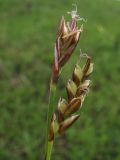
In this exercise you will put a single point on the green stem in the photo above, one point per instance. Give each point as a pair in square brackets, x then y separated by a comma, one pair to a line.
[49, 150]
[49, 144]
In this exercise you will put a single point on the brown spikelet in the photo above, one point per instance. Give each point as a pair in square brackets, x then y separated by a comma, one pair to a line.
[67, 123]
[73, 106]
[66, 42]
[76, 88]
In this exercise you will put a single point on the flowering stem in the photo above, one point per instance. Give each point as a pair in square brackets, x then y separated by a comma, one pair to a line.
[49, 144]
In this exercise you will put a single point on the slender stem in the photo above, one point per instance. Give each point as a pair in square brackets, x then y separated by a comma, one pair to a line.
[49, 150]
[49, 144]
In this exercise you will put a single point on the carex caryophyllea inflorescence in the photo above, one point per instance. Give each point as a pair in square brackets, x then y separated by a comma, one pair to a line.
[77, 87]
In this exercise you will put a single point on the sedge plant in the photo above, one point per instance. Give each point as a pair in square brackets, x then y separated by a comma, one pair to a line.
[59, 119]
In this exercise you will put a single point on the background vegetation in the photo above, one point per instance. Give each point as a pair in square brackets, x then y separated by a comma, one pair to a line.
[27, 35]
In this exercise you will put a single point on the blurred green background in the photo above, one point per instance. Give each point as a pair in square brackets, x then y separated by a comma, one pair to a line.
[27, 35]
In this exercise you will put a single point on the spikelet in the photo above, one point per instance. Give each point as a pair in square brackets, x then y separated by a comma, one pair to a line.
[77, 88]
[67, 39]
